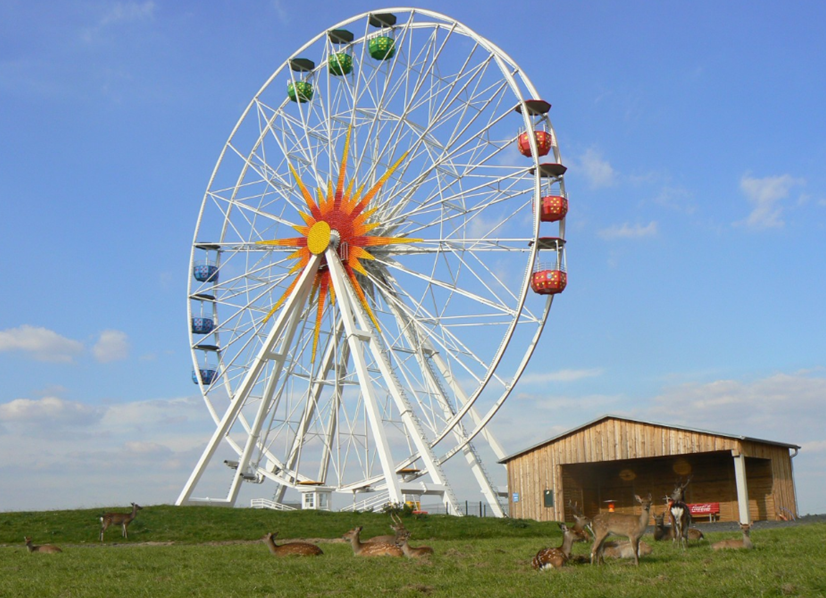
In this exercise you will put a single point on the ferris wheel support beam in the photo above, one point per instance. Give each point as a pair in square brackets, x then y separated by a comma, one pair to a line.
[403, 405]
[286, 322]
[427, 356]
[356, 338]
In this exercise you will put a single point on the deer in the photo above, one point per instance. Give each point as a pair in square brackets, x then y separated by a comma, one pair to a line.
[630, 526]
[666, 532]
[410, 551]
[370, 548]
[554, 558]
[680, 513]
[736, 543]
[582, 524]
[624, 550]
[121, 519]
[290, 548]
[398, 528]
[47, 548]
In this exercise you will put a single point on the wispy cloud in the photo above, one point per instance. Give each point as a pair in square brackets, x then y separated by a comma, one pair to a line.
[560, 376]
[281, 11]
[112, 345]
[48, 412]
[629, 231]
[765, 195]
[597, 171]
[40, 343]
[119, 13]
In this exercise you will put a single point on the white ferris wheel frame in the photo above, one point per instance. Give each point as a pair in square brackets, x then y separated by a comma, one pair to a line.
[365, 347]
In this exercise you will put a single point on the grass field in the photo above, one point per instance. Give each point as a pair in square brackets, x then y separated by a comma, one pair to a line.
[204, 551]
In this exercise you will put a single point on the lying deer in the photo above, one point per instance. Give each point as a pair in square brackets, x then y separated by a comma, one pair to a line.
[370, 548]
[121, 519]
[45, 548]
[630, 526]
[736, 544]
[398, 528]
[623, 549]
[554, 558]
[666, 532]
[290, 548]
[410, 551]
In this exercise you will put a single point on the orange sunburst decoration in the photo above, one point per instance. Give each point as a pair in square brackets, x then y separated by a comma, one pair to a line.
[338, 211]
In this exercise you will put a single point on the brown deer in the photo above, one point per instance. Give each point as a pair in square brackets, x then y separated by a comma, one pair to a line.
[582, 524]
[554, 558]
[290, 548]
[666, 532]
[630, 526]
[121, 519]
[370, 548]
[736, 544]
[680, 513]
[623, 549]
[410, 551]
[398, 528]
[49, 548]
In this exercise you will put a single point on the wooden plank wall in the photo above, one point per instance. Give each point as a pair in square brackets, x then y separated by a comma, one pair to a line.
[590, 463]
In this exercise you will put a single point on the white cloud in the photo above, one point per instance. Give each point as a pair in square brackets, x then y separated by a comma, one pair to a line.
[765, 195]
[42, 344]
[627, 231]
[599, 172]
[47, 412]
[112, 345]
[281, 11]
[560, 376]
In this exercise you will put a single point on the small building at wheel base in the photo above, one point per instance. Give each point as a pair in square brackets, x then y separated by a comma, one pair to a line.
[602, 464]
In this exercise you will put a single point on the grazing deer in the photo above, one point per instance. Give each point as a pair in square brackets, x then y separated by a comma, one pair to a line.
[370, 548]
[121, 519]
[582, 524]
[410, 551]
[630, 526]
[554, 558]
[45, 548]
[680, 513]
[736, 544]
[624, 550]
[290, 548]
[398, 528]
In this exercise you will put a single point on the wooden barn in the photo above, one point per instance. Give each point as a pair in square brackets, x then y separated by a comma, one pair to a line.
[601, 465]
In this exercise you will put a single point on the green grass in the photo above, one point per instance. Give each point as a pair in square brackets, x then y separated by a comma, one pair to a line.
[474, 557]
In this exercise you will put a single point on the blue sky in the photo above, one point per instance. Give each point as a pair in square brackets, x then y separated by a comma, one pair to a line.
[695, 140]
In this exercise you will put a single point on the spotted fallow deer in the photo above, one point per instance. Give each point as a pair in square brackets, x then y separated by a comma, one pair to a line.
[121, 519]
[623, 524]
[370, 548]
[736, 543]
[554, 558]
[290, 548]
[398, 528]
[47, 548]
[666, 532]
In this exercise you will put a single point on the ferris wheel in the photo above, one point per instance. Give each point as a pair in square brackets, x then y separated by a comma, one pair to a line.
[374, 260]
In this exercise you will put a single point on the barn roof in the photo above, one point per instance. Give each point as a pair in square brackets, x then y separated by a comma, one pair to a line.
[648, 423]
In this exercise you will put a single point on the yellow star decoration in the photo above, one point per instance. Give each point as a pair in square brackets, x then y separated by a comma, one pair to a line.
[343, 212]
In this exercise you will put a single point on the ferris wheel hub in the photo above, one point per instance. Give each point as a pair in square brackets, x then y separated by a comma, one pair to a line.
[319, 238]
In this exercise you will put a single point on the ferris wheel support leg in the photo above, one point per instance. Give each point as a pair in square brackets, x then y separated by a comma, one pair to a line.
[356, 339]
[296, 300]
[405, 409]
